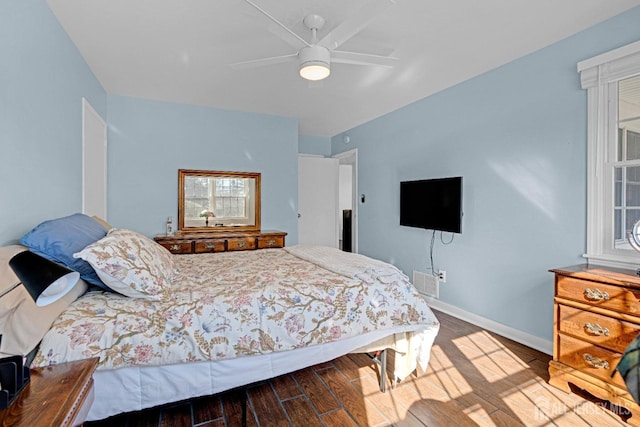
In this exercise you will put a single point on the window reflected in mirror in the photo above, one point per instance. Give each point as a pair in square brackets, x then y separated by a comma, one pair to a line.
[218, 201]
[627, 166]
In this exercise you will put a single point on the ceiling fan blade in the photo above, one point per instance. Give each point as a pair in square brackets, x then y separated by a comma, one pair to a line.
[353, 25]
[285, 33]
[342, 57]
[255, 63]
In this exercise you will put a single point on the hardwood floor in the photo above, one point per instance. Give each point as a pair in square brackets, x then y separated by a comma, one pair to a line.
[475, 378]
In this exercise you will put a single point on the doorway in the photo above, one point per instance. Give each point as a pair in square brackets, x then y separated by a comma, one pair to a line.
[326, 188]
[348, 196]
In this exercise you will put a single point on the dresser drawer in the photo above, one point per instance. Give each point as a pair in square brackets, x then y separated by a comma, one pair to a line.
[589, 358]
[270, 242]
[179, 247]
[604, 331]
[597, 294]
[241, 243]
[203, 246]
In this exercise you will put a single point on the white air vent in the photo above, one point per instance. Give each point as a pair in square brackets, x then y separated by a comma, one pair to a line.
[426, 284]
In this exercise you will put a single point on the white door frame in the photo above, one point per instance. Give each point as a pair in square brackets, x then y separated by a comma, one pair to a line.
[350, 157]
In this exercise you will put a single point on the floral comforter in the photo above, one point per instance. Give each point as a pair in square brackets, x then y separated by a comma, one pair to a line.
[237, 304]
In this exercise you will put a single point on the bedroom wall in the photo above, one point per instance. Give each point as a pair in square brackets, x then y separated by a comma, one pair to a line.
[43, 79]
[311, 144]
[150, 140]
[518, 136]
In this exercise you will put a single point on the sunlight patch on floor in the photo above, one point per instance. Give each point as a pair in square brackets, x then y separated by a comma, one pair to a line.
[479, 415]
[537, 406]
[494, 361]
[449, 377]
[524, 407]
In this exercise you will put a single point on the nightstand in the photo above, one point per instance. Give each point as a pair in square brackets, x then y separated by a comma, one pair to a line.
[597, 315]
[58, 395]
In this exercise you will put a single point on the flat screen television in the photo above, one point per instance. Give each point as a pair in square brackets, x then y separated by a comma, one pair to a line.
[434, 204]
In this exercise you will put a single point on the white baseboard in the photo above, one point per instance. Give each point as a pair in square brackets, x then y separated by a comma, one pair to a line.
[517, 335]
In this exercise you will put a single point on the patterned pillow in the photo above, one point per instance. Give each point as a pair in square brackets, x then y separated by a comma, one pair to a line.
[131, 264]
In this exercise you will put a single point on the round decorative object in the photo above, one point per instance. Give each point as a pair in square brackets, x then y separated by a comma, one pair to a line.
[633, 236]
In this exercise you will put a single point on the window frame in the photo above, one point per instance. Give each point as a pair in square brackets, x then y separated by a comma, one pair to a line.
[600, 76]
[220, 224]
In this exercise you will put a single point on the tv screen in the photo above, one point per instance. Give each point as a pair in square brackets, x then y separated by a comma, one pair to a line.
[434, 204]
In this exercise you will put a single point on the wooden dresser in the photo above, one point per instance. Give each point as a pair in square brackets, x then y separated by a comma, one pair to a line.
[597, 315]
[202, 242]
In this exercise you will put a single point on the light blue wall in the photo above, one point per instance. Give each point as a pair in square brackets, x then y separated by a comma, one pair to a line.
[518, 137]
[149, 141]
[309, 144]
[43, 79]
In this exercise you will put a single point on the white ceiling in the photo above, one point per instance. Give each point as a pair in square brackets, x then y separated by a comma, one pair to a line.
[181, 50]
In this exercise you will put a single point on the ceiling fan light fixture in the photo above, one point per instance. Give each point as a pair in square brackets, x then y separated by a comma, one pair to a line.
[315, 63]
[315, 71]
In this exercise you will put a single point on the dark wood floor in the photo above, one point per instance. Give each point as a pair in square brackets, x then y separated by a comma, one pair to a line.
[475, 378]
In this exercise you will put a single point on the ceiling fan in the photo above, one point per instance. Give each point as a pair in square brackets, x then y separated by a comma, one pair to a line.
[315, 56]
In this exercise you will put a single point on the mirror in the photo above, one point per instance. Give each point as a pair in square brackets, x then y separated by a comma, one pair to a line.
[218, 201]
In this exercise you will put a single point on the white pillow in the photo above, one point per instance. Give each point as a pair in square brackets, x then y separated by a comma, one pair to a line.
[131, 264]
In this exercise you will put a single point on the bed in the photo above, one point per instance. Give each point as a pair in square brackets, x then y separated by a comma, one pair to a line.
[195, 325]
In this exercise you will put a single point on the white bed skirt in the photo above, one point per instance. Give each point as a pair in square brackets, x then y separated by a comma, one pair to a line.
[139, 387]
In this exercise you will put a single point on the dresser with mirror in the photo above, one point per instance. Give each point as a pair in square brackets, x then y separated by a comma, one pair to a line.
[219, 211]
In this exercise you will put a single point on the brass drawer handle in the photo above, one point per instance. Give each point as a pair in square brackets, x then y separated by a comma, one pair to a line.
[271, 242]
[175, 247]
[596, 295]
[242, 244]
[595, 361]
[596, 329]
[210, 246]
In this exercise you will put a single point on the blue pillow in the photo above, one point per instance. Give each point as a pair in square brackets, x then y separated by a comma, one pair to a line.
[58, 239]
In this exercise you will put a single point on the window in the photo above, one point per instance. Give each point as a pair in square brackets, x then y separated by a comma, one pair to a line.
[197, 193]
[221, 198]
[230, 197]
[627, 184]
[213, 201]
[612, 81]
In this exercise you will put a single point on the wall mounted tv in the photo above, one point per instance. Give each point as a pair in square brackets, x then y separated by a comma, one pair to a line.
[434, 204]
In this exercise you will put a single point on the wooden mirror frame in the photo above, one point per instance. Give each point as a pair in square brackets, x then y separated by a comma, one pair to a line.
[183, 174]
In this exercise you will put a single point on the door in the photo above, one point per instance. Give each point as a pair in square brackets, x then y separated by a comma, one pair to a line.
[318, 200]
[94, 162]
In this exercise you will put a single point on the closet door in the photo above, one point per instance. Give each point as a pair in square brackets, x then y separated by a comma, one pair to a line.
[318, 200]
